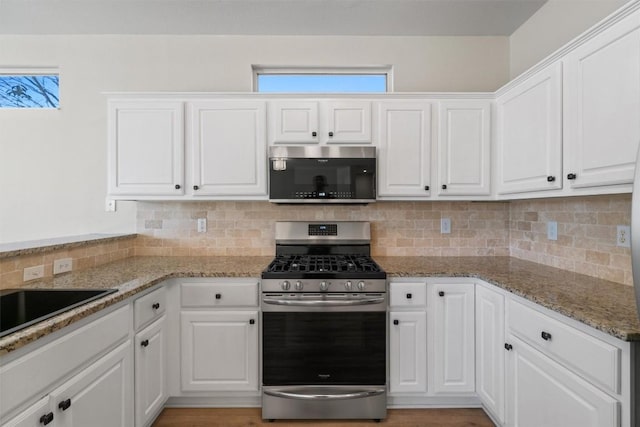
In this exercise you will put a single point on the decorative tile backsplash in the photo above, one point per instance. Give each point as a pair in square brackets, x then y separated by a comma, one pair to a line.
[398, 228]
[586, 232]
[587, 229]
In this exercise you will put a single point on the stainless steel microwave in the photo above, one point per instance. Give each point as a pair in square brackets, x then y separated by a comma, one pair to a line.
[322, 174]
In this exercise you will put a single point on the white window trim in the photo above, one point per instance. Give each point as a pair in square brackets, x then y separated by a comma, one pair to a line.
[279, 69]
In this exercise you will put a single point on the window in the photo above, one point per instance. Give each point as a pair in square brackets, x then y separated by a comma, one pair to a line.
[29, 89]
[332, 80]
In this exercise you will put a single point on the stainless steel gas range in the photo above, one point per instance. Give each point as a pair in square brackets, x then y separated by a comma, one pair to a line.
[324, 321]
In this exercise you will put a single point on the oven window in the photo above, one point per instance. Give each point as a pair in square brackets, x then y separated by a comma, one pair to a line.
[338, 348]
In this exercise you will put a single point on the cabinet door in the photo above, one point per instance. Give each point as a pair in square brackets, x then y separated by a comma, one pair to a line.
[464, 145]
[293, 122]
[36, 415]
[453, 337]
[602, 106]
[99, 396]
[408, 352]
[146, 148]
[348, 122]
[404, 155]
[530, 134]
[541, 392]
[490, 350]
[228, 144]
[219, 350]
[150, 381]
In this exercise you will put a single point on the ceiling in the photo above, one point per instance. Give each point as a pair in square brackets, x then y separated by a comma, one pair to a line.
[267, 17]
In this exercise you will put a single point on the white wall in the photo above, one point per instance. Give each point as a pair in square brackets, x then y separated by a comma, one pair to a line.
[53, 163]
[552, 26]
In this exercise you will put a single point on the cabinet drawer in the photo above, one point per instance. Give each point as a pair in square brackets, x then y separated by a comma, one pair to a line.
[149, 307]
[208, 294]
[593, 359]
[408, 294]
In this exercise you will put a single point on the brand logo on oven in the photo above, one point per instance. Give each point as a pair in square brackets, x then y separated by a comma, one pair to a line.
[323, 160]
[324, 376]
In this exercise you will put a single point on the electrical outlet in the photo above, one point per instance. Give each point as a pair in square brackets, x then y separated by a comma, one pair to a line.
[202, 225]
[32, 273]
[62, 265]
[110, 205]
[552, 230]
[445, 225]
[623, 236]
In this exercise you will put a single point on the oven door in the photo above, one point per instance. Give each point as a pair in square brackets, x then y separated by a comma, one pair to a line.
[327, 341]
[322, 180]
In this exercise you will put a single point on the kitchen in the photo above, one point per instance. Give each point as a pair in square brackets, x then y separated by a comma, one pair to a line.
[399, 227]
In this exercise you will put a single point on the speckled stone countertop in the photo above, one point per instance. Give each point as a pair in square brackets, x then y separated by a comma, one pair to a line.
[607, 306]
[8, 250]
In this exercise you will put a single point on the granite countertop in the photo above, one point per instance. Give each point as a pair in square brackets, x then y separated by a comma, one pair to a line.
[604, 305]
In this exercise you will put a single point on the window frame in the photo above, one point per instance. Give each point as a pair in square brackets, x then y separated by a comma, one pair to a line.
[386, 70]
[32, 71]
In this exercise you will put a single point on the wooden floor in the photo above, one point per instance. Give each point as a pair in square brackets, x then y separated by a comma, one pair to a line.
[247, 417]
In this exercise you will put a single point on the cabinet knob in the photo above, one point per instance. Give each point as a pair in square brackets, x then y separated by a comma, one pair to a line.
[551, 178]
[409, 296]
[330, 134]
[178, 186]
[546, 336]
[195, 188]
[65, 404]
[314, 134]
[396, 322]
[46, 419]
[144, 343]
[507, 346]
[156, 306]
[426, 188]
[571, 176]
[218, 296]
[252, 321]
[441, 293]
[444, 186]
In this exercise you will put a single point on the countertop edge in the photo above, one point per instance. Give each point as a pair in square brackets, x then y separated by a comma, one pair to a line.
[60, 243]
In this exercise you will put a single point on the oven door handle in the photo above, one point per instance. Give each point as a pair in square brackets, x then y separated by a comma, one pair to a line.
[323, 302]
[325, 396]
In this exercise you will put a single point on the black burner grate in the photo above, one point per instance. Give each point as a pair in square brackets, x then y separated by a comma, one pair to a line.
[323, 264]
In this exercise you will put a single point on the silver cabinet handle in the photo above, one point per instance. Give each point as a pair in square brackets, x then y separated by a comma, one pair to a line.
[327, 396]
[323, 302]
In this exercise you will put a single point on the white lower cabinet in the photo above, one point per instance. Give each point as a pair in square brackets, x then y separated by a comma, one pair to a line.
[541, 392]
[37, 414]
[408, 352]
[452, 337]
[219, 351]
[219, 336]
[150, 380]
[490, 352]
[99, 396]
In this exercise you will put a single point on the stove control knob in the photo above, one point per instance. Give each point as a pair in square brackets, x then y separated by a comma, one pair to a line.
[348, 285]
[286, 285]
[324, 286]
[299, 285]
[361, 285]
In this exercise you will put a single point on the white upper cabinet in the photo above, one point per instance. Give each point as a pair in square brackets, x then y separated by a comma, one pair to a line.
[145, 148]
[404, 152]
[228, 148]
[464, 145]
[529, 142]
[602, 106]
[316, 122]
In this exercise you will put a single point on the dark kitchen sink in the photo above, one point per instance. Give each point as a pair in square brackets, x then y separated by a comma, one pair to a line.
[20, 308]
